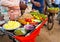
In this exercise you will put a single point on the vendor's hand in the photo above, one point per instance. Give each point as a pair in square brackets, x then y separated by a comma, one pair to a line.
[32, 1]
[23, 6]
[37, 4]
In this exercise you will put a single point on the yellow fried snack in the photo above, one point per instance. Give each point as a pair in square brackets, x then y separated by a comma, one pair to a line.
[11, 25]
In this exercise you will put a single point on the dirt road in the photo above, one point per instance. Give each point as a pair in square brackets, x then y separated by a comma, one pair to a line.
[50, 36]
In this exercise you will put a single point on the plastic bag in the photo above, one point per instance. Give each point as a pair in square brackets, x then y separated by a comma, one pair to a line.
[13, 14]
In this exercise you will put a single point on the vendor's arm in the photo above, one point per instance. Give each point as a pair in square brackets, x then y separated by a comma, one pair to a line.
[37, 4]
[45, 6]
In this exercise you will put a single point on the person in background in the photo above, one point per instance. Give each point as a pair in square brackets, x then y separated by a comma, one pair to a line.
[13, 8]
[56, 3]
[49, 3]
[38, 5]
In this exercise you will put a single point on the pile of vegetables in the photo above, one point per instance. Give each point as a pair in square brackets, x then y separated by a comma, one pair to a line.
[20, 31]
[38, 15]
[25, 23]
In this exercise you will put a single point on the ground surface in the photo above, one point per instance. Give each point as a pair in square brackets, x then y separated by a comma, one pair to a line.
[50, 36]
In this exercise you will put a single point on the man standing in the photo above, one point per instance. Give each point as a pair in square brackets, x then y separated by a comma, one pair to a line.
[38, 5]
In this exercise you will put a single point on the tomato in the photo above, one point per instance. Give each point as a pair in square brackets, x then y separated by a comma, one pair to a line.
[33, 23]
[28, 19]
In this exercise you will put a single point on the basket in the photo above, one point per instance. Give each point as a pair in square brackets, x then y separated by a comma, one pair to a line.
[53, 10]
